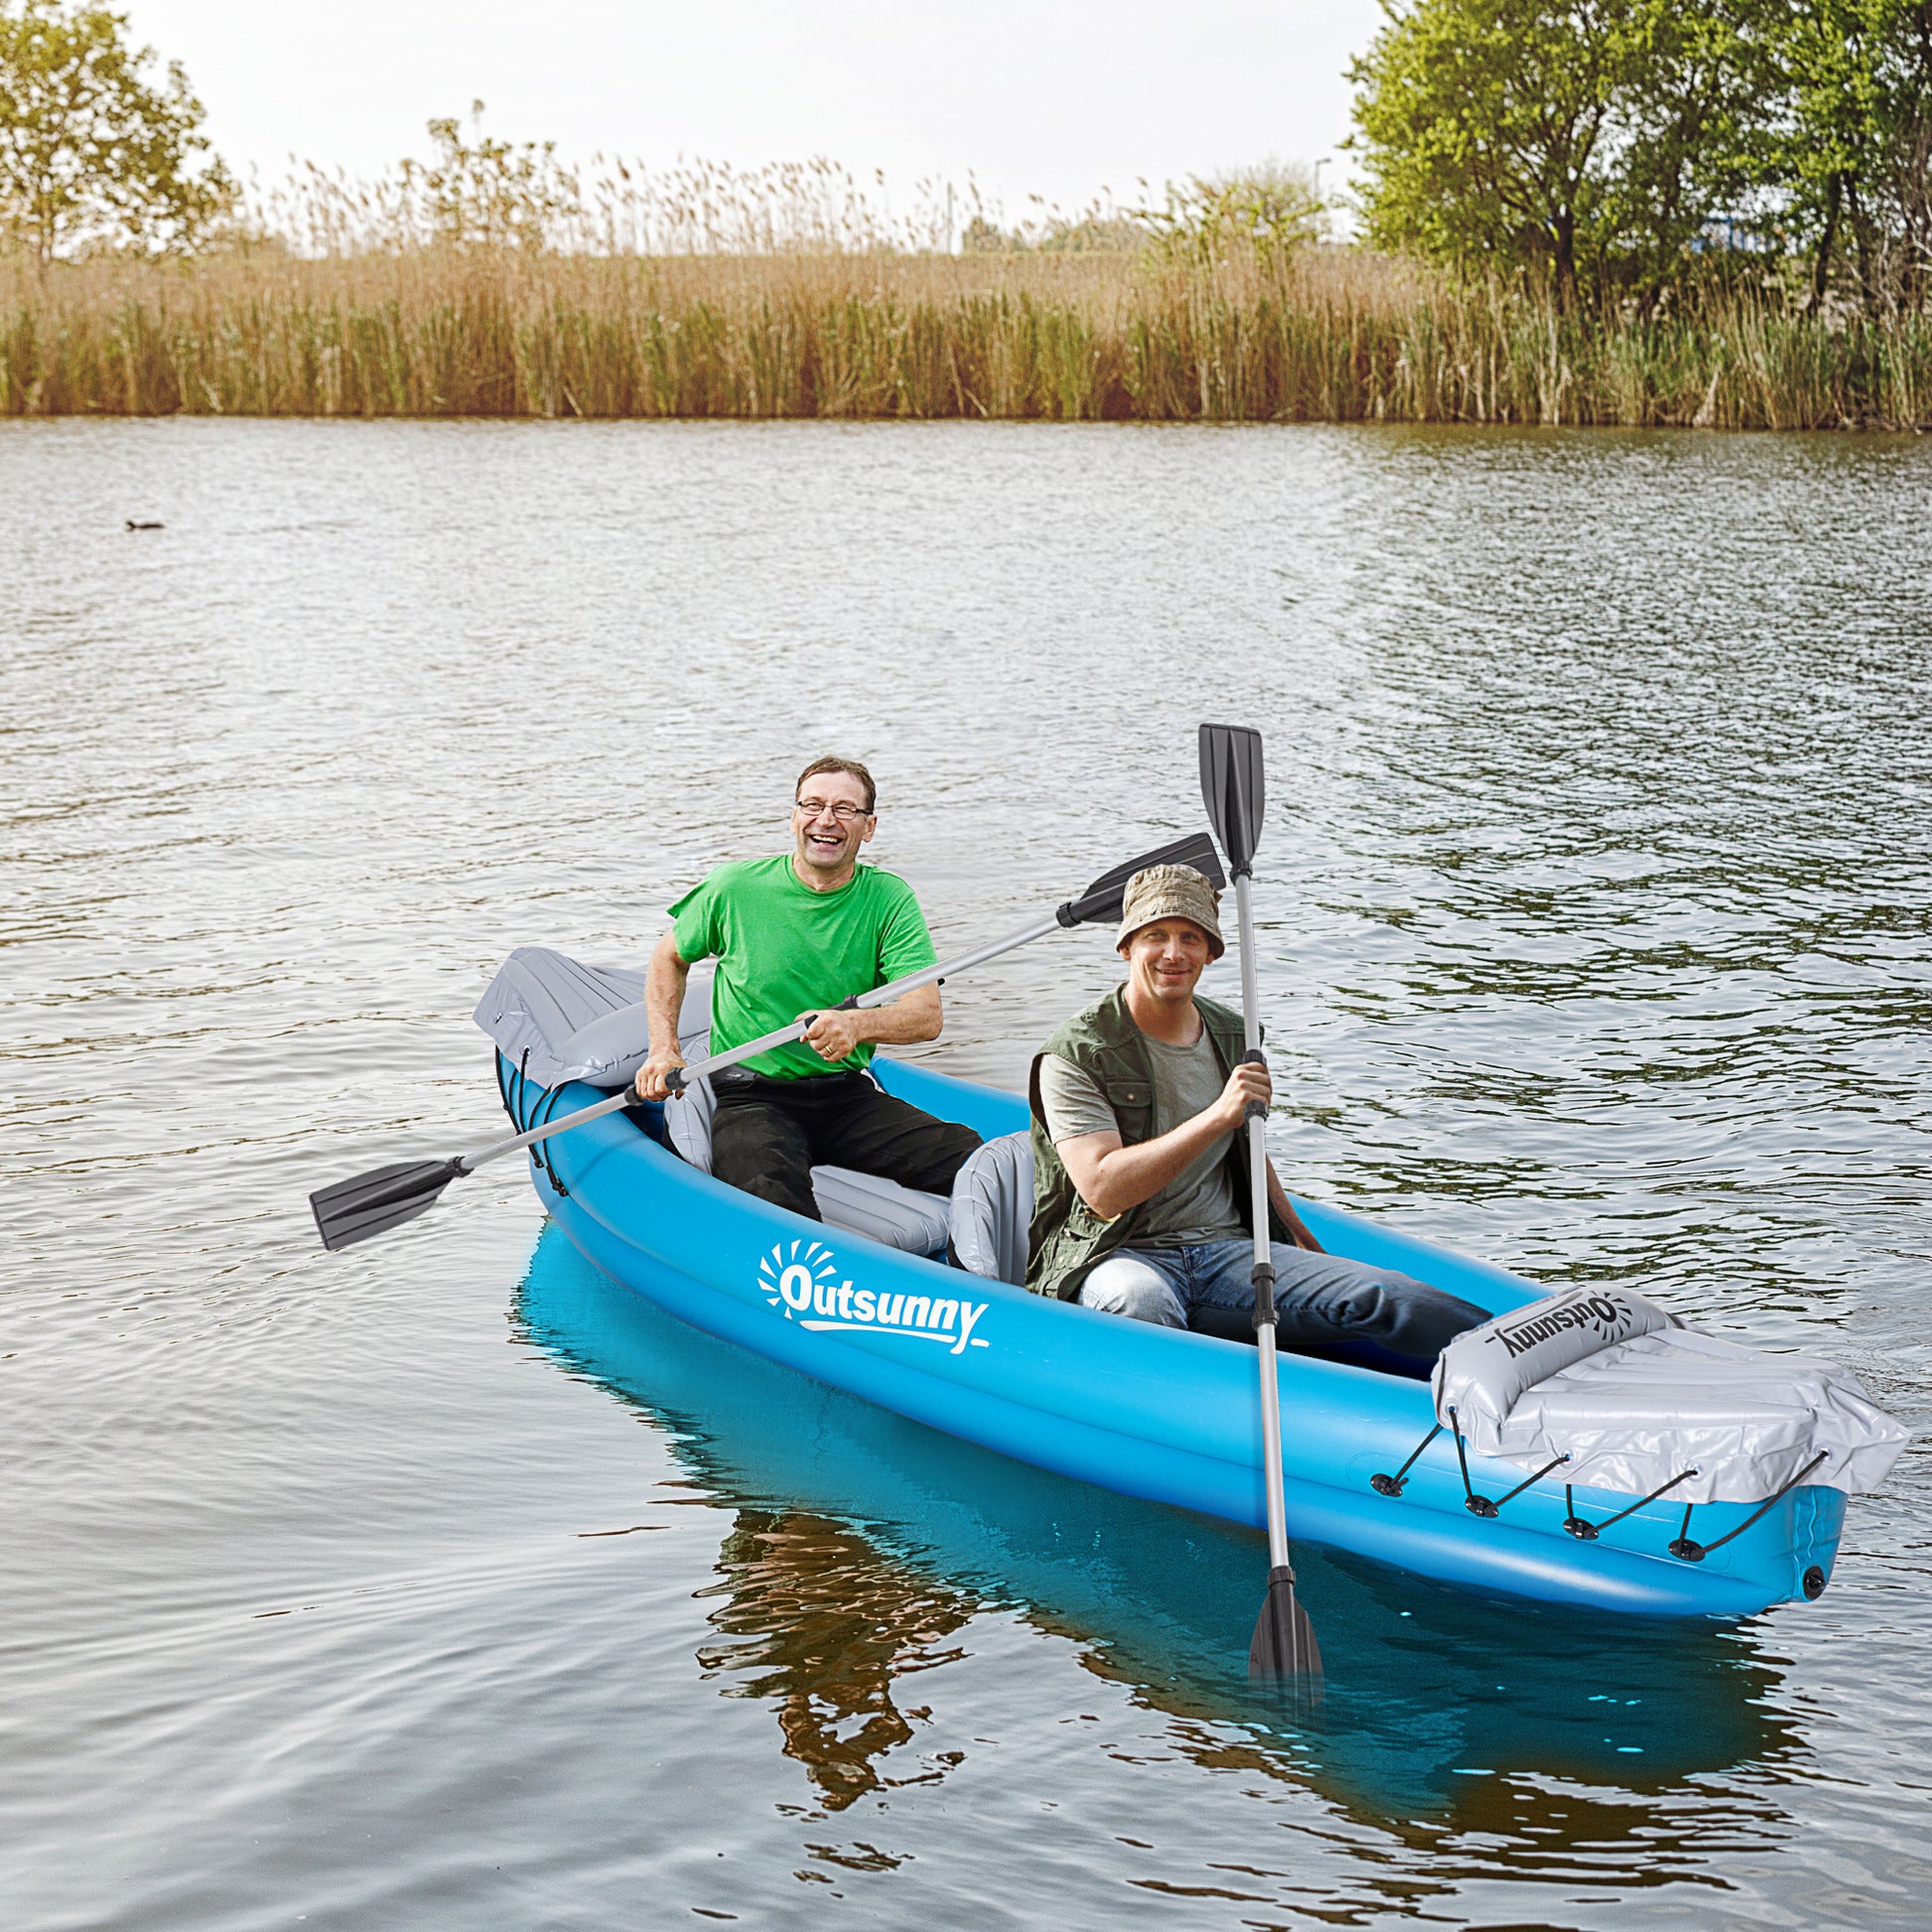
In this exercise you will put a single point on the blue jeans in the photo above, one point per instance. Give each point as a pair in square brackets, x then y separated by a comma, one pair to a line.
[1321, 1300]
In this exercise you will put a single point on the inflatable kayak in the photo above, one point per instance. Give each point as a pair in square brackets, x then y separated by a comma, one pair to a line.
[1420, 1681]
[911, 1302]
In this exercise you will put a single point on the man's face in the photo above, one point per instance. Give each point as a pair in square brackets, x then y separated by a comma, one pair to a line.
[830, 822]
[1165, 960]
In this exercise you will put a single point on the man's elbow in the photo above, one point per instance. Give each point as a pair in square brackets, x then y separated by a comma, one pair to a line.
[1099, 1199]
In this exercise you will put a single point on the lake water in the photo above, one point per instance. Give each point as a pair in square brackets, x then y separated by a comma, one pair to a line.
[442, 1583]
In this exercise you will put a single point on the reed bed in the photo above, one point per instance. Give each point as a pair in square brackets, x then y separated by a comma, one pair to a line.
[1325, 335]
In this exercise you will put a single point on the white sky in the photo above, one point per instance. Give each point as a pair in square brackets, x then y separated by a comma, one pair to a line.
[1033, 96]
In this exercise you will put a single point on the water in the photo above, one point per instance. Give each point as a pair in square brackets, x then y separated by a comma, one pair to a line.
[442, 1584]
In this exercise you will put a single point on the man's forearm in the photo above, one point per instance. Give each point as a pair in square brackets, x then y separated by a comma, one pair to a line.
[664, 995]
[912, 1018]
[1127, 1176]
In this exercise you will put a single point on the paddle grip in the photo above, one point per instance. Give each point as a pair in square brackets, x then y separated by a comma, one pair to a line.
[1255, 1109]
[850, 1004]
[1262, 1275]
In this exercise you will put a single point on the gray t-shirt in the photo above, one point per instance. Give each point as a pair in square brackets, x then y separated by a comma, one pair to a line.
[1197, 1204]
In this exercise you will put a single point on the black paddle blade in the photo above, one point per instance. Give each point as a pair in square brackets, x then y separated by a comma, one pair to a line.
[1102, 899]
[1231, 786]
[353, 1210]
[1284, 1645]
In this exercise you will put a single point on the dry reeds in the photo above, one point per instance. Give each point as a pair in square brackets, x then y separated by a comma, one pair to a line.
[1322, 335]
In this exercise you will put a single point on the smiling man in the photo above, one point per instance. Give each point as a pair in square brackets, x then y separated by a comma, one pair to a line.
[794, 935]
[1140, 1186]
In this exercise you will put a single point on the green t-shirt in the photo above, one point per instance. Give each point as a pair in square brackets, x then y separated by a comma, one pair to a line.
[783, 949]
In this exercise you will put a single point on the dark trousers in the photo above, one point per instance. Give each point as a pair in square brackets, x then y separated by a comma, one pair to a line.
[767, 1135]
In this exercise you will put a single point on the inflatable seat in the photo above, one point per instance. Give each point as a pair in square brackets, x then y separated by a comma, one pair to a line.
[558, 1020]
[563, 1021]
[992, 1208]
[881, 1209]
[865, 1203]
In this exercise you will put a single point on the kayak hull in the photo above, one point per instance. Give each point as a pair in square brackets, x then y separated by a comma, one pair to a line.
[1169, 1417]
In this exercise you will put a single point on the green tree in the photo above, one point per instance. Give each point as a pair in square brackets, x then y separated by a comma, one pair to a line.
[1274, 207]
[483, 192]
[91, 151]
[1592, 139]
[1852, 147]
[1684, 138]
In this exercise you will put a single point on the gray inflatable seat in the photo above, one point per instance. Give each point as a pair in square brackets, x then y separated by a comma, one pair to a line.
[883, 1210]
[992, 1208]
[1633, 1400]
[587, 1023]
[567, 1021]
[687, 1119]
[866, 1203]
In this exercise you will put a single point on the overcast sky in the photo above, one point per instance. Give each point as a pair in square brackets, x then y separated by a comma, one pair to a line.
[1060, 97]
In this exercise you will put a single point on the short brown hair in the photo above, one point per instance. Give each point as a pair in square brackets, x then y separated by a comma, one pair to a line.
[851, 767]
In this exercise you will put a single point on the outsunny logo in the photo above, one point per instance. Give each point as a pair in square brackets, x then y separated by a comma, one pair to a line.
[804, 1281]
[1599, 1311]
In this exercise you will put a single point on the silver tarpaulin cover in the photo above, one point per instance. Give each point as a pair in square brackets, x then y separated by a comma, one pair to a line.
[1634, 1399]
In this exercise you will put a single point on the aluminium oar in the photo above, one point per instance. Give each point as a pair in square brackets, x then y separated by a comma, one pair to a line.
[1284, 1645]
[353, 1210]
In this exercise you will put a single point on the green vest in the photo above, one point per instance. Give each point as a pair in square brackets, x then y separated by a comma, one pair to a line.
[1068, 1240]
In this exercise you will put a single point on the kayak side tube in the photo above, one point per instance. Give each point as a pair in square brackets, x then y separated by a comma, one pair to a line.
[1147, 1412]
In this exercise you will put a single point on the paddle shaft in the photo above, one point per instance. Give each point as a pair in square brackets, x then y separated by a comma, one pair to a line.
[1264, 1268]
[880, 996]
[681, 1077]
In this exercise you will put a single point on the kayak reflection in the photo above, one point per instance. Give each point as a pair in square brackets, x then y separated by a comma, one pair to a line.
[825, 1626]
[866, 1545]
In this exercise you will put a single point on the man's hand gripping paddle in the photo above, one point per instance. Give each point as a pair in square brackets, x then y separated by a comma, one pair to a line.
[1284, 1646]
[353, 1211]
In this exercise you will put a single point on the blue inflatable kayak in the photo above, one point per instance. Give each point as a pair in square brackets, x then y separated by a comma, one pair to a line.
[1158, 1414]
[1421, 1682]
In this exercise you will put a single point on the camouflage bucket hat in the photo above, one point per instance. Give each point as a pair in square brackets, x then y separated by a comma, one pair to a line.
[1171, 892]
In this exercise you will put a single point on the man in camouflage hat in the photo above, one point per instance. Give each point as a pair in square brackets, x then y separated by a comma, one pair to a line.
[1141, 1177]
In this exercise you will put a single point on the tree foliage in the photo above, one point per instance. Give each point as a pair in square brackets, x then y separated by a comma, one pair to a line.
[1590, 139]
[91, 150]
[485, 193]
[1851, 142]
[1272, 206]
[1612, 144]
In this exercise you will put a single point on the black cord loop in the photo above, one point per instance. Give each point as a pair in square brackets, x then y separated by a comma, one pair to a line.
[1589, 1532]
[1385, 1486]
[1538, 1477]
[1688, 1552]
[1475, 1504]
[545, 1113]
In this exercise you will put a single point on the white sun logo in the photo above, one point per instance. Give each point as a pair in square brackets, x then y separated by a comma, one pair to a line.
[788, 1278]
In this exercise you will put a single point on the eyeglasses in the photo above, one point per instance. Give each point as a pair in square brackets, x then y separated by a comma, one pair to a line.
[844, 813]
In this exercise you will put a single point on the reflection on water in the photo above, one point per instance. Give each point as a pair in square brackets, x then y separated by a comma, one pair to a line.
[824, 1628]
[1596, 941]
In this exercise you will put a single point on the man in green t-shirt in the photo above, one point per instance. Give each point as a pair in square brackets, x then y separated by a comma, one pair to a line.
[796, 934]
